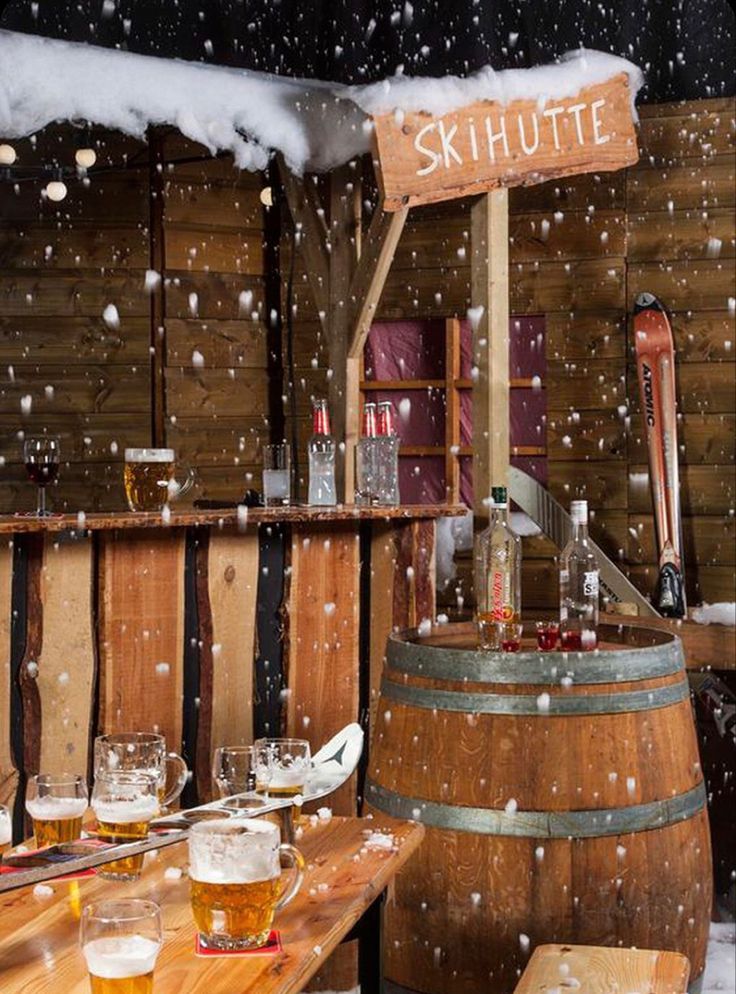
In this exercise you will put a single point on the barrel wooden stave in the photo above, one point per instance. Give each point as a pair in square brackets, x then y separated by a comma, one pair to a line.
[462, 906]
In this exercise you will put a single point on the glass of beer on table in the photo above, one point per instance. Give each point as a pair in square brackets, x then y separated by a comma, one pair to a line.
[150, 479]
[235, 880]
[124, 804]
[6, 830]
[282, 766]
[144, 752]
[120, 941]
[56, 802]
[234, 770]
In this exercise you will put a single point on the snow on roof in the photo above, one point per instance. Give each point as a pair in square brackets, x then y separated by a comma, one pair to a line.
[315, 125]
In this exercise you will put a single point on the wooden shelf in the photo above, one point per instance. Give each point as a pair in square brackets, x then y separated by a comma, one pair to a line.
[369, 385]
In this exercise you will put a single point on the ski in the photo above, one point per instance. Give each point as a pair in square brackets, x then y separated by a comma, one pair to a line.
[655, 363]
[332, 766]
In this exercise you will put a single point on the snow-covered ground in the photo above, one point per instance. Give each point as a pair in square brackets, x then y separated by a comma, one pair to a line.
[720, 964]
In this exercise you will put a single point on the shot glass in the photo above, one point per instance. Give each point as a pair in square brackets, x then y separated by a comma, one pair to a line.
[508, 635]
[276, 475]
[548, 633]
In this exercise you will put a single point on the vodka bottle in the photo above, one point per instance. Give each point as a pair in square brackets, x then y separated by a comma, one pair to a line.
[367, 459]
[578, 585]
[387, 456]
[497, 560]
[322, 489]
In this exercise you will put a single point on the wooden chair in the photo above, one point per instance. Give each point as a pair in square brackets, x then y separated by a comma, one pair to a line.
[599, 970]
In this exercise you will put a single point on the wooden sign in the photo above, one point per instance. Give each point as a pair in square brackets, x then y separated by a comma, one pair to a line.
[425, 158]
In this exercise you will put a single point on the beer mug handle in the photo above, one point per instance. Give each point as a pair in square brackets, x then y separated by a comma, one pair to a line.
[174, 760]
[297, 861]
[182, 488]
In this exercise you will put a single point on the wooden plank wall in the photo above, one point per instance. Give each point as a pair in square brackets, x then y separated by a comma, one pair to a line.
[580, 250]
[198, 222]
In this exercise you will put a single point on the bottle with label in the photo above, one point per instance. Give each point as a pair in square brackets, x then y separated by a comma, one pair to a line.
[387, 442]
[366, 459]
[579, 585]
[321, 449]
[497, 562]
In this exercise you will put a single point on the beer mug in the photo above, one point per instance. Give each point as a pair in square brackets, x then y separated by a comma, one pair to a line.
[150, 481]
[6, 829]
[120, 942]
[234, 770]
[145, 752]
[282, 766]
[56, 802]
[124, 805]
[235, 880]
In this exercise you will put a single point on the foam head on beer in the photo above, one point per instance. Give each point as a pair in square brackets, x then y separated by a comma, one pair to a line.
[125, 811]
[51, 808]
[217, 848]
[121, 956]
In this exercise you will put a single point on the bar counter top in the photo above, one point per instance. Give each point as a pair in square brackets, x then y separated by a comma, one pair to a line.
[219, 518]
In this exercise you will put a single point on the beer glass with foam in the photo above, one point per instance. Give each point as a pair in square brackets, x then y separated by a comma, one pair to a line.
[120, 941]
[56, 802]
[235, 880]
[124, 804]
[150, 479]
[144, 752]
[6, 830]
[282, 766]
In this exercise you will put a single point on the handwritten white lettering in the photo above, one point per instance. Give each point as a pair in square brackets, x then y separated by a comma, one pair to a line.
[447, 147]
[499, 136]
[528, 149]
[577, 110]
[552, 115]
[598, 138]
[434, 159]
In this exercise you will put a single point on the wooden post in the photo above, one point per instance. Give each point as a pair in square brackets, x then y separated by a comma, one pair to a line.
[157, 261]
[452, 411]
[490, 319]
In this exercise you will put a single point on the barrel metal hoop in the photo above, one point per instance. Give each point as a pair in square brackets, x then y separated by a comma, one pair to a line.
[526, 704]
[623, 666]
[539, 824]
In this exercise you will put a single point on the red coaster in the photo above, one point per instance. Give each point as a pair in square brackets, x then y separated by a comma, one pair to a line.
[272, 946]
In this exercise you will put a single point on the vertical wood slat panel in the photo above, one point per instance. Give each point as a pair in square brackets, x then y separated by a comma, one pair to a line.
[8, 771]
[66, 662]
[141, 632]
[29, 695]
[227, 586]
[323, 678]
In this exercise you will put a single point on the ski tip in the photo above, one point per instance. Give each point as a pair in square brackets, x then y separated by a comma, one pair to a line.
[669, 597]
[647, 301]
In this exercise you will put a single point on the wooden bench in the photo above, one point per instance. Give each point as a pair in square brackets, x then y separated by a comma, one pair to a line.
[600, 970]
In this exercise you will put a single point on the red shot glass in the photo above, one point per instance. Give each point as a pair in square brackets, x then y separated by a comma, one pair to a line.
[548, 633]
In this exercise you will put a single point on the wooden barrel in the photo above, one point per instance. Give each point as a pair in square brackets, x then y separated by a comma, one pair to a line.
[563, 800]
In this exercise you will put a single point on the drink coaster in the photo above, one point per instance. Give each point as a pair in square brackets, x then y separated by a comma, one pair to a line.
[270, 948]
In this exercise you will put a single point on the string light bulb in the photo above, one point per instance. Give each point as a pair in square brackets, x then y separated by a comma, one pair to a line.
[85, 157]
[56, 190]
[7, 155]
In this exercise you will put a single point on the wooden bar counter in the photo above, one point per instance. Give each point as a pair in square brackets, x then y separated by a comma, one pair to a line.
[211, 627]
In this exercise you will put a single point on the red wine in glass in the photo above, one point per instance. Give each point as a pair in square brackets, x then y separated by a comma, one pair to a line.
[41, 456]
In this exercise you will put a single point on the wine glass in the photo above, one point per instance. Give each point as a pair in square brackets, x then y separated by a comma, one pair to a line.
[41, 455]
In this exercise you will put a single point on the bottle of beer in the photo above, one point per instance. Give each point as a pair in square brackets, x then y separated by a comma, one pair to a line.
[497, 561]
[578, 585]
[366, 459]
[321, 450]
[387, 445]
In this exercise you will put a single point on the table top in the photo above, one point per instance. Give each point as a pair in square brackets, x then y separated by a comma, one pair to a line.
[39, 948]
[219, 518]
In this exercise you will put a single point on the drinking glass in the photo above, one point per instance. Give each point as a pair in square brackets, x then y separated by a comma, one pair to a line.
[276, 474]
[234, 770]
[548, 633]
[6, 829]
[235, 880]
[282, 766]
[146, 753]
[124, 804]
[120, 941]
[508, 635]
[56, 802]
[41, 454]
[150, 480]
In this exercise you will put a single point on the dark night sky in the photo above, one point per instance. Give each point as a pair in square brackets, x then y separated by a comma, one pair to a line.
[686, 48]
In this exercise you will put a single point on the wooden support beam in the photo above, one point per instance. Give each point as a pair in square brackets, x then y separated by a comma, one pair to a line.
[452, 411]
[311, 239]
[489, 231]
[370, 276]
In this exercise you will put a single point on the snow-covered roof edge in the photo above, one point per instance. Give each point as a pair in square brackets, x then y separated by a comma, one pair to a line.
[315, 125]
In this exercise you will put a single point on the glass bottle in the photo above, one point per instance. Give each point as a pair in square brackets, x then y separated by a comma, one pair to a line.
[321, 450]
[579, 583]
[366, 456]
[497, 562]
[387, 456]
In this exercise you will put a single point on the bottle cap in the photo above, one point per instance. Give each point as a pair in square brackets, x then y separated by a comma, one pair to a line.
[499, 497]
[579, 512]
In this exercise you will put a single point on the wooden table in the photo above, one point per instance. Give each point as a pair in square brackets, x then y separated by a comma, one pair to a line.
[39, 948]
